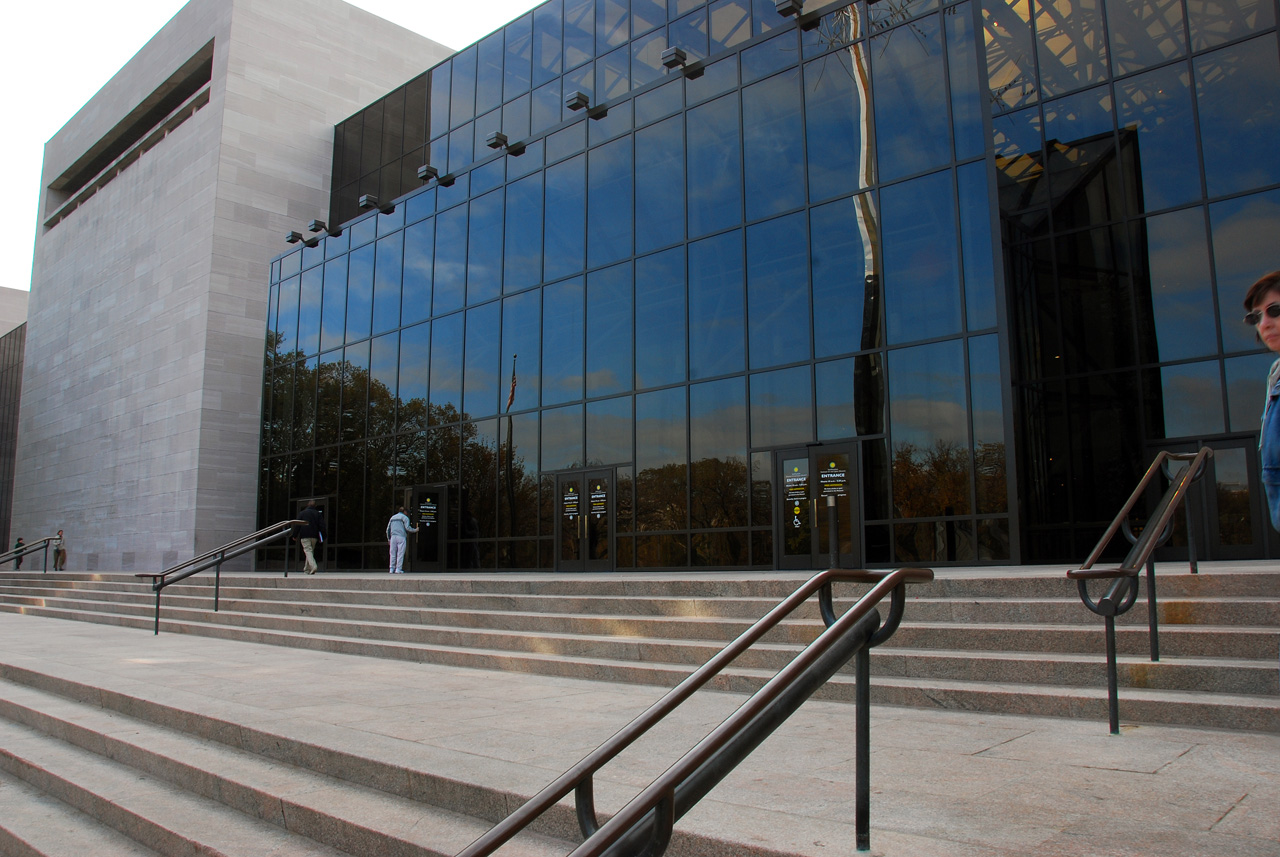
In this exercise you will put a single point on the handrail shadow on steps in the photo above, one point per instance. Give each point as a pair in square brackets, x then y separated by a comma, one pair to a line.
[644, 826]
[28, 549]
[216, 557]
[1123, 591]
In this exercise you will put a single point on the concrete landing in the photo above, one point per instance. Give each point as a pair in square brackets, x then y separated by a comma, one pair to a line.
[945, 783]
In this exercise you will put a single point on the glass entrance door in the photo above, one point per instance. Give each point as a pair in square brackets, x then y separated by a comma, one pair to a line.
[819, 520]
[429, 509]
[1228, 507]
[585, 511]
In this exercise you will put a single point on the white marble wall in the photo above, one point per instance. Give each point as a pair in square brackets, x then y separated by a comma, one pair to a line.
[141, 392]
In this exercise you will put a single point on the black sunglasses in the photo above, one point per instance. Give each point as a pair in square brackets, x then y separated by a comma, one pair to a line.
[1254, 317]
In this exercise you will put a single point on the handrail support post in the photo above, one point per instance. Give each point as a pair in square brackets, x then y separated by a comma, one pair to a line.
[217, 579]
[862, 711]
[1153, 610]
[156, 632]
[1113, 693]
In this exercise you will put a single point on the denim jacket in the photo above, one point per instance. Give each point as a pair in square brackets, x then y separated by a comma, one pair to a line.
[1269, 444]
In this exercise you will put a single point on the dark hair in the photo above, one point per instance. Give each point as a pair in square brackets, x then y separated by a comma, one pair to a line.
[1268, 282]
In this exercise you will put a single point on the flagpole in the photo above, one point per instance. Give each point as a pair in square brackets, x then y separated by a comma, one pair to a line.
[511, 490]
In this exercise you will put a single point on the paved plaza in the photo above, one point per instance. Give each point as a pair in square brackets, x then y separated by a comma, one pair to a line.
[945, 783]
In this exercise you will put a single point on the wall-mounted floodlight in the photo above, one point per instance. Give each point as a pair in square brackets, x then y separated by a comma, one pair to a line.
[426, 172]
[496, 140]
[577, 100]
[368, 201]
[674, 58]
[321, 226]
[787, 8]
[296, 237]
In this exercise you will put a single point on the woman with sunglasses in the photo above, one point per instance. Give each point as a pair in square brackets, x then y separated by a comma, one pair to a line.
[1263, 305]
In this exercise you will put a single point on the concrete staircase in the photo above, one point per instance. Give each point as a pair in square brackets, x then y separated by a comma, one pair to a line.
[1002, 641]
[87, 767]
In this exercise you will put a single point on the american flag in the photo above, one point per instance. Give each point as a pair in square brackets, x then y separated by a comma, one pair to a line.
[512, 396]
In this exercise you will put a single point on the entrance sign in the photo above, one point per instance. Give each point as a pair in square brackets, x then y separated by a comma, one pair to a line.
[833, 478]
[571, 502]
[599, 499]
[428, 510]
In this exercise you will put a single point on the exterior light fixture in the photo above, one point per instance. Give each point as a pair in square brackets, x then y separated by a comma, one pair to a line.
[674, 58]
[321, 226]
[368, 201]
[496, 140]
[787, 8]
[577, 100]
[446, 180]
[426, 172]
[296, 237]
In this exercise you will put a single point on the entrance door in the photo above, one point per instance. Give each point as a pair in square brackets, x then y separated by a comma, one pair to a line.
[819, 519]
[585, 510]
[1227, 505]
[324, 505]
[429, 510]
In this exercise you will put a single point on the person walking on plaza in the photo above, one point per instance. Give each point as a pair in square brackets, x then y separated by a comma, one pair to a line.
[311, 534]
[17, 560]
[59, 552]
[398, 529]
[1263, 313]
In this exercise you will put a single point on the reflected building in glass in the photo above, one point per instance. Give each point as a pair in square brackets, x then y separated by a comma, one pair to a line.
[900, 282]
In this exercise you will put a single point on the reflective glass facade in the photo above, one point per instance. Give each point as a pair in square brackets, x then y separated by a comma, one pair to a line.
[899, 282]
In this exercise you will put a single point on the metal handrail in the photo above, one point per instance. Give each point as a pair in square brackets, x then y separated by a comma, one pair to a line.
[1122, 594]
[216, 557]
[660, 798]
[29, 548]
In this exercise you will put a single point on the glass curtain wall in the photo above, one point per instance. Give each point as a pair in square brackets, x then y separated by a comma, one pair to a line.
[791, 243]
[1134, 146]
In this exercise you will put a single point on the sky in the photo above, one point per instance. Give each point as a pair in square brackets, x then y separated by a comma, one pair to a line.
[55, 54]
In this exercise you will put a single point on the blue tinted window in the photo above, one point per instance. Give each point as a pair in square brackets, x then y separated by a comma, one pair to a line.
[518, 67]
[730, 24]
[522, 339]
[562, 342]
[690, 35]
[522, 256]
[419, 259]
[484, 248]
[446, 369]
[462, 96]
[388, 274]
[773, 145]
[1154, 111]
[483, 361]
[912, 131]
[921, 263]
[415, 362]
[1191, 395]
[846, 294]
[966, 89]
[548, 51]
[660, 319]
[718, 479]
[659, 200]
[613, 24]
[451, 260]
[976, 243]
[309, 310]
[781, 408]
[609, 202]
[714, 184]
[1181, 300]
[360, 293]
[986, 391]
[287, 317]
[716, 306]
[333, 316]
[609, 430]
[609, 331]
[835, 113]
[661, 460]
[1238, 92]
[564, 220]
[1243, 249]
[579, 32]
[929, 431]
[777, 291]
[489, 77]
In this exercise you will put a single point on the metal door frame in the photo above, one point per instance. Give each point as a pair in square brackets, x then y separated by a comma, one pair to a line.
[583, 478]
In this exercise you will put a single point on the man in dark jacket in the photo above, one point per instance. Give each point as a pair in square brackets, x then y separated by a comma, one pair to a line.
[310, 533]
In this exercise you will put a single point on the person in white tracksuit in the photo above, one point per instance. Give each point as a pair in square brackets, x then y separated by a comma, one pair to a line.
[398, 529]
